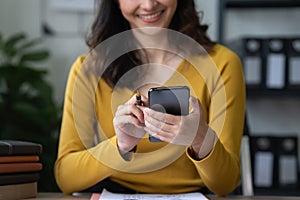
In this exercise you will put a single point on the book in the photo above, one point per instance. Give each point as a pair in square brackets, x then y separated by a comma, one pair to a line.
[19, 159]
[15, 147]
[20, 167]
[106, 195]
[18, 191]
[18, 178]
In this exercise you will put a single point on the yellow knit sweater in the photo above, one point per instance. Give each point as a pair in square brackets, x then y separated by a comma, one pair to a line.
[88, 153]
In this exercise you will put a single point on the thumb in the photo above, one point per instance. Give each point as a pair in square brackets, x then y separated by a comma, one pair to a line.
[195, 104]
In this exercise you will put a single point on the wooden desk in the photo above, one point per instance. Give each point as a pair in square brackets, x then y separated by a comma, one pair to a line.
[53, 196]
[44, 196]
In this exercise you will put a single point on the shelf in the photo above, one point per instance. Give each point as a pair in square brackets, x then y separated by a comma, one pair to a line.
[257, 92]
[261, 3]
[249, 4]
[226, 6]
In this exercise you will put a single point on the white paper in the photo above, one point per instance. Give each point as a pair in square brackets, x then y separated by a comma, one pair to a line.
[263, 169]
[253, 70]
[186, 196]
[275, 71]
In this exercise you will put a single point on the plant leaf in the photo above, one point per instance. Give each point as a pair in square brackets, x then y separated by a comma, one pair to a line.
[10, 45]
[27, 109]
[30, 44]
[34, 56]
[1, 43]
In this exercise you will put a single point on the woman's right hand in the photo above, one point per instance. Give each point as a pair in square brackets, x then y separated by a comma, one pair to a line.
[129, 125]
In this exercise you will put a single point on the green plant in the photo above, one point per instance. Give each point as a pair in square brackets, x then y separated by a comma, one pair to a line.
[27, 109]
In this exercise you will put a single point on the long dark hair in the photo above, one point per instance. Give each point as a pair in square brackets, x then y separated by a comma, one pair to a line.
[109, 21]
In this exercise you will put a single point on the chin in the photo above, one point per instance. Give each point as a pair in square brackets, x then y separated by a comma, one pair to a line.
[150, 30]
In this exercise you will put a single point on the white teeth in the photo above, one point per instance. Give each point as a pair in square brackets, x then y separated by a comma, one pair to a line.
[150, 16]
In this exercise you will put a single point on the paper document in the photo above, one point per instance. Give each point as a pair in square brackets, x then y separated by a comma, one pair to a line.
[186, 196]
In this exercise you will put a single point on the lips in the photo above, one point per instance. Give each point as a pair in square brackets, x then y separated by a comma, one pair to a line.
[150, 18]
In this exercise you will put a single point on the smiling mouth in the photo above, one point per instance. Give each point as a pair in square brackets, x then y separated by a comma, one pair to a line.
[151, 17]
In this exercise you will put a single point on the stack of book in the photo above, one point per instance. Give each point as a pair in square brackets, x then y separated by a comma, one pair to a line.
[19, 169]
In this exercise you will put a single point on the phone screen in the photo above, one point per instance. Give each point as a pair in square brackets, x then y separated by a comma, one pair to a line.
[172, 100]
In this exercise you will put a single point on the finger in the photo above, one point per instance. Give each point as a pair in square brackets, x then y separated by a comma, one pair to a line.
[138, 113]
[130, 110]
[159, 116]
[145, 101]
[156, 135]
[124, 109]
[132, 100]
[159, 127]
[162, 137]
[122, 120]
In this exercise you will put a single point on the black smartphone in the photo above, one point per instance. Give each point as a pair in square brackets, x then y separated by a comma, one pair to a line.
[172, 100]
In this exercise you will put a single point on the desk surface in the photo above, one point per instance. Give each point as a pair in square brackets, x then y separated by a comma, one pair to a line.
[87, 196]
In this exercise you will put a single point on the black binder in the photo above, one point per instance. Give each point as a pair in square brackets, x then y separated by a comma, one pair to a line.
[275, 166]
[254, 62]
[14, 147]
[294, 62]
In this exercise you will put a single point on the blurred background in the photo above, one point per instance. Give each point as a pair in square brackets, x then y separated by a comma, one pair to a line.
[273, 107]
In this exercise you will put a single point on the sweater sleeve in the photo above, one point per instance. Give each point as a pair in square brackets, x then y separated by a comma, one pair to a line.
[220, 170]
[76, 151]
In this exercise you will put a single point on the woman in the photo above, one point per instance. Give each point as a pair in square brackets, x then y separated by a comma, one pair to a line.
[198, 151]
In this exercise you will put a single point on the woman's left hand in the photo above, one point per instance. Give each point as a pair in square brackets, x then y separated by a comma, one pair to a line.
[180, 130]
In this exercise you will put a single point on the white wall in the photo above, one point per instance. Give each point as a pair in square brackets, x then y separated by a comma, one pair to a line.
[210, 17]
[261, 22]
[20, 15]
[264, 115]
[28, 15]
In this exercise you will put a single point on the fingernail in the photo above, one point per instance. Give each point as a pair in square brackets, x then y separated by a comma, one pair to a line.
[146, 111]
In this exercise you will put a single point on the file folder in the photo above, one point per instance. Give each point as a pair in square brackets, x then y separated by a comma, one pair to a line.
[253, 62]
[263, 160]
[288, 161]
[294, 62]
[275, 161]
[276, 70]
